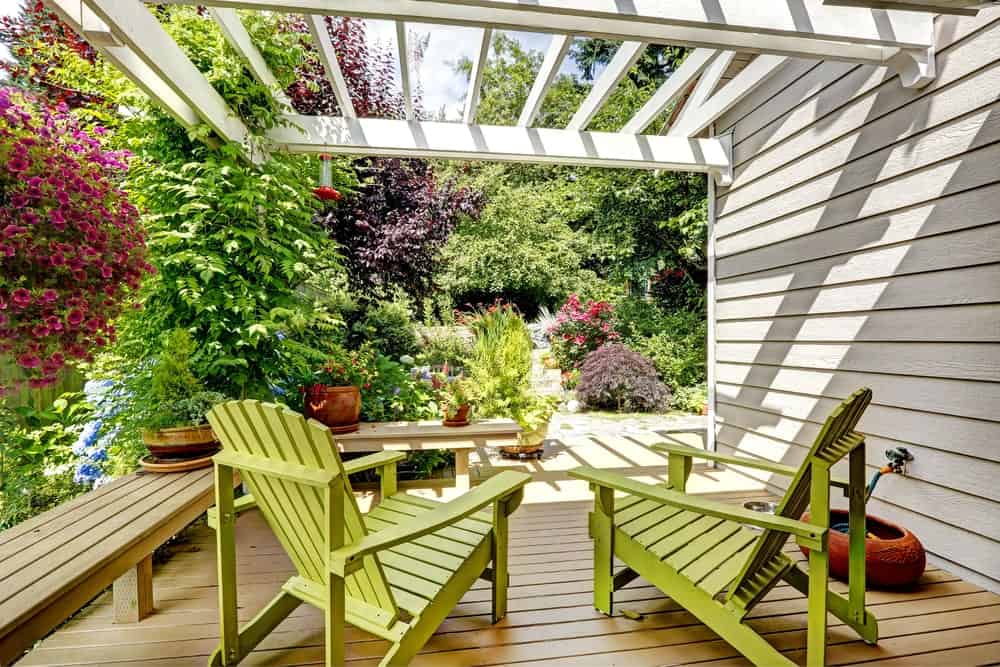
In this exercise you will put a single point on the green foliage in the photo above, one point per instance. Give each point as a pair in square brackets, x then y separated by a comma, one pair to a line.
[393, 395]
[172, 378]
[388, 327]
[500, 367]
[36, 457]
[233, 243]
[691, 399]
[445, 348]
[678, 351]
[522, 248]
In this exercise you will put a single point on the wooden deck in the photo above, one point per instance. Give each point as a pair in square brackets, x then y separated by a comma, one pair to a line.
[944, 621]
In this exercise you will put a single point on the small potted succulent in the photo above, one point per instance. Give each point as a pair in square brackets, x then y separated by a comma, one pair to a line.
[455, 397]
[174, 425]
[333, 393]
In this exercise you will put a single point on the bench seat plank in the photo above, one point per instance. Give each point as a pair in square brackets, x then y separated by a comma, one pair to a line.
[53, 564]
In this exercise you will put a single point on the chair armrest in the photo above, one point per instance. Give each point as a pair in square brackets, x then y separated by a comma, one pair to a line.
[506, 484]
[810, 535]
[376, 460]
[759, 464]
[241, 504]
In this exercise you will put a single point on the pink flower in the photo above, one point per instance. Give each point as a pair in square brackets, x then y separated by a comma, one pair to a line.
[29, 361]
[50, 295]
[21, 297]
[580, 340]
[18, 164]
[74, 317]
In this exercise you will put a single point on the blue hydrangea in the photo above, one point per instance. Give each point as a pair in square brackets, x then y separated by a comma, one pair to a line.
[87, 473]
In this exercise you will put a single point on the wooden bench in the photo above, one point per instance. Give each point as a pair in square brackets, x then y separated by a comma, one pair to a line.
[53, 564]
[408, 436]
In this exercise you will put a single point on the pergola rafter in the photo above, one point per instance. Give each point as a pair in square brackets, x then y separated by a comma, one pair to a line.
[328, 56]
[404, 70]
[554, 56]
[130, 36]
[236, 34]
[786, 27]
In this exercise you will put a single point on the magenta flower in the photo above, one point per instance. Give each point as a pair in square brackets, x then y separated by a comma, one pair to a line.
[21, 297]
[29, 361]
[18, 164]
[74, 318]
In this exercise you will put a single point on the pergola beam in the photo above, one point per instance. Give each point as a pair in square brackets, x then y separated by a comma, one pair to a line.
[404, 70]
[428, 139]
[476, 77]
[670, 89]
[236, 34]
[626, 56]
[546, 75]
[799, 28]
[124, 58]
[701, 110]
[139, 30]
[328, 57]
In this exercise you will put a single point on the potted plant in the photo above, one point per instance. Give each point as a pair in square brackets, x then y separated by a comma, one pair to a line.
[333, 393]
[455, 397]
[175, 427]
[533, 419]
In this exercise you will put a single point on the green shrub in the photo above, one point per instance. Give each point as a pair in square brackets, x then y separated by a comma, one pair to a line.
[445, 348]
[500, 363]
[636, 317]
[37, 459]
[678, 352]
[388, 327]
[690, 399]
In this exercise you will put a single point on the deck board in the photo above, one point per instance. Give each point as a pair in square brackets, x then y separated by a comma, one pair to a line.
[551, 621]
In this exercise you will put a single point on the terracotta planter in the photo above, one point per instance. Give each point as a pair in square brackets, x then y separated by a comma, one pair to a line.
[894, 557]
[183, 442]
[336, 407]
[704, 410]
[459, 418]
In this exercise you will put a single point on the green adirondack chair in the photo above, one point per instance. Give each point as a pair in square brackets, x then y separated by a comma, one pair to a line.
[396, 572]
[697, 551]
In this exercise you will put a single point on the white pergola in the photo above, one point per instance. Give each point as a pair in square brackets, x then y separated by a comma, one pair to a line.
[898, 35]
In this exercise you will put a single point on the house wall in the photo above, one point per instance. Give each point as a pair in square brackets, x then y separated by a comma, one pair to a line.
[859, 245]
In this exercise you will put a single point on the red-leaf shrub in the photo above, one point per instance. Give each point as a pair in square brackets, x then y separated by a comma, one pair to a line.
[391, 230]
[579, 329]
[615, 377]
[70, 241]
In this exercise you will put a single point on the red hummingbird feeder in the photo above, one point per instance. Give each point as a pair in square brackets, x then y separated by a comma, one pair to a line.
[325, 190]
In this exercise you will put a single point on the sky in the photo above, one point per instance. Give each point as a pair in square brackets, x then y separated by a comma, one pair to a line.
[442, 88]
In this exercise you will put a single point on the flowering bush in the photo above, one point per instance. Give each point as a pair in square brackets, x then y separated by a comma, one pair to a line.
[615, 377]
[71, 243]
[579, 329]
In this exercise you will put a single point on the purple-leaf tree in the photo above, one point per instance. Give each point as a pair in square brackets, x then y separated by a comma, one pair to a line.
[392, 229]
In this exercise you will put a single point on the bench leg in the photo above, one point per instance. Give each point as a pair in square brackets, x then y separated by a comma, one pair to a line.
[462, 481]
[133, 593]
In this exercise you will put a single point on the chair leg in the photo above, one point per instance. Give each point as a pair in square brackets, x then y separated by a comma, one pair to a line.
[816, 631]
[335, 621]
[225, 543]
[604, 549]
[501, 576]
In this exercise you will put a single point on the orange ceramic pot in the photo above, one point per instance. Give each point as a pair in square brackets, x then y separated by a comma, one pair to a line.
[336, 407]
[894, 556]
[459, 418]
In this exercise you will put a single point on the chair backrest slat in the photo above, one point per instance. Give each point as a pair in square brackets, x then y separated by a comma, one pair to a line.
[294, 511]
[837, 431]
